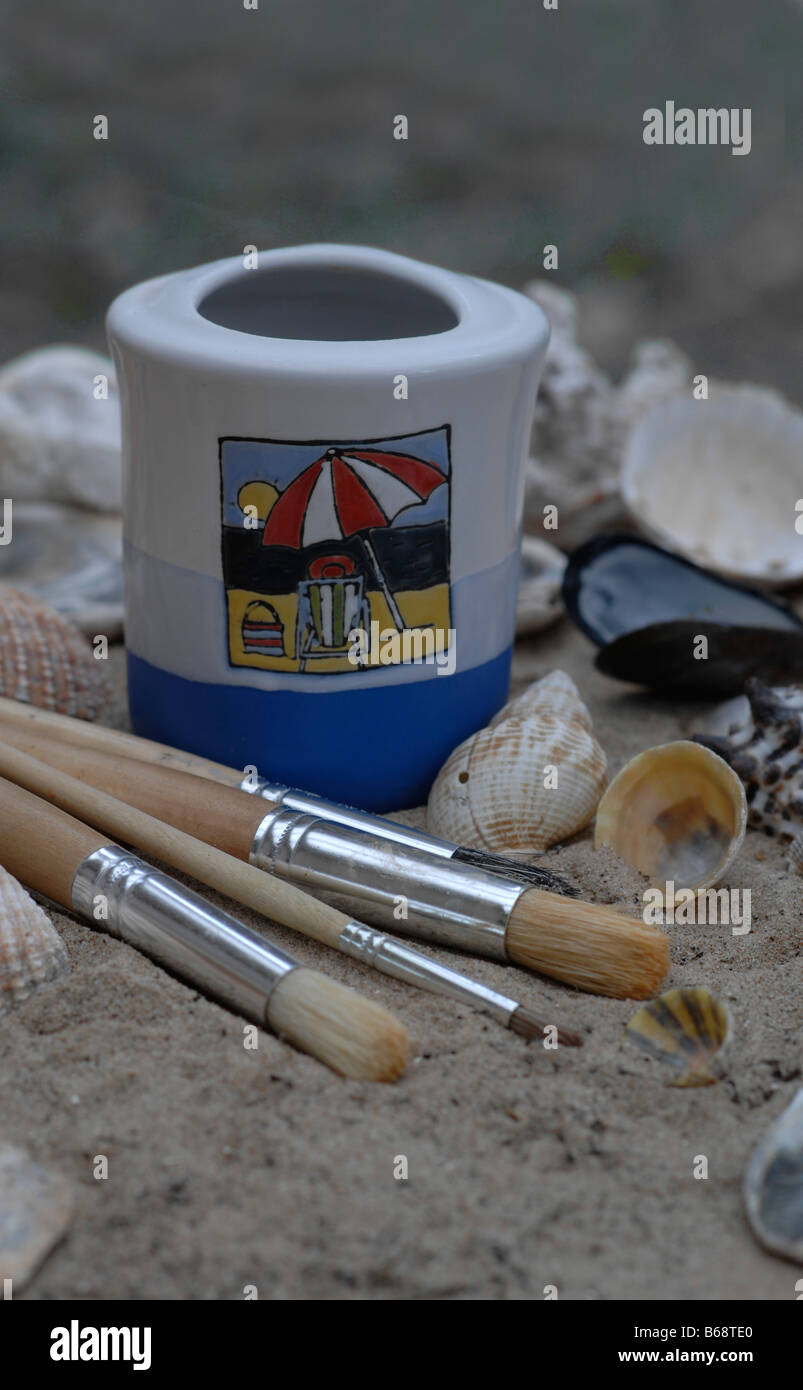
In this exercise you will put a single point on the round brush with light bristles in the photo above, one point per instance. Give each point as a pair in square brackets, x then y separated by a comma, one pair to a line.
[593, 947]
[77, 868]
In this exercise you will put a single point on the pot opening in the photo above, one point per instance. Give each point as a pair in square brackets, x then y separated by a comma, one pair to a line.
[327, 304]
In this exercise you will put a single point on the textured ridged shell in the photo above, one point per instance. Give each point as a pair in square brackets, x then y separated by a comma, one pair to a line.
[717, 481]
[31, 950]
[676, 813]
[45, 660]
[555, 694]
[773, 1184]
[685, 1029]
[767, 754]
[490, 793]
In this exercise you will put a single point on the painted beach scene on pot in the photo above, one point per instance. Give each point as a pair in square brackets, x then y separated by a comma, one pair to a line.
[323, 541]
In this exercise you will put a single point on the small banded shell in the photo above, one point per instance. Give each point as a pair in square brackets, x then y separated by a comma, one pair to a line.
[773, 1185]
[31, 950]
[686, 1030]
[521, 785]
[45, 660]
[555, 694]
[676, 813]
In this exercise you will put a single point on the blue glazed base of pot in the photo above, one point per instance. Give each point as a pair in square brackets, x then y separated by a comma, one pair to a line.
[379, 749]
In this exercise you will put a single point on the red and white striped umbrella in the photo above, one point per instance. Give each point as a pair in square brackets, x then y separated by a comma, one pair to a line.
[346, 491]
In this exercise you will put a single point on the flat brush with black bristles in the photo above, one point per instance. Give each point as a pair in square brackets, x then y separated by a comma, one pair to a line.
[207, 860]
[454, 904]
[79, 732]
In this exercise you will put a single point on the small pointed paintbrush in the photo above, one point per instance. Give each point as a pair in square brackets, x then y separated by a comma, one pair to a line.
[283, 902]
[593, 947]
[80, 732]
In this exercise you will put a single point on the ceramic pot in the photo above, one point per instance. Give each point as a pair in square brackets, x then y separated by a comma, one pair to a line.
[324, 455]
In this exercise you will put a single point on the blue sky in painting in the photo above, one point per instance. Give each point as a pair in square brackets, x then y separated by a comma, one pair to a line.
[249, 460]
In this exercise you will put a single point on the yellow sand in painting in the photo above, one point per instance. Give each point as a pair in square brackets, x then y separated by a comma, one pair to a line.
[420, 608]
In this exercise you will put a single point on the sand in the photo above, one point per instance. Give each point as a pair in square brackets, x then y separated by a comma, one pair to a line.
[230, 1168]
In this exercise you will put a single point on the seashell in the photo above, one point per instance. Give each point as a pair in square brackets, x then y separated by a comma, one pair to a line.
[45, 660]
[58, 443]
[70, 558]
[555, 694]
[717, 481]
[677, 813]
[490, 793]
[646, 607]
[731, 719]
[658, 371]
[540, 577]
[685, 1029]
[770, 761]
[36, 1207]
[773, 1184]
[31, 951]
[663, 656]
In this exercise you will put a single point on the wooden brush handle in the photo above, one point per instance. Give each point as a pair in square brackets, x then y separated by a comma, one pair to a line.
[219, 815]
[83, 734]
[41, 845]
[243, 882]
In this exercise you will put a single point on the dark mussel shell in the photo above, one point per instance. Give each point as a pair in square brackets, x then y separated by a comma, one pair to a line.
[645, 606]
[662, 656]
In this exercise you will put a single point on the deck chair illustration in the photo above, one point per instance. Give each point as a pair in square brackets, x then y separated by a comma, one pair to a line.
[331, 602]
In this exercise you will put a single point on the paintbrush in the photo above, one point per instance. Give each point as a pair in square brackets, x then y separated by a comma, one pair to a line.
[265, 894]
[593, 947]
[78, 869]
[88, 735]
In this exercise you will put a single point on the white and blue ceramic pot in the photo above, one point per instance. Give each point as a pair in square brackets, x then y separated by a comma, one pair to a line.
[324, 458]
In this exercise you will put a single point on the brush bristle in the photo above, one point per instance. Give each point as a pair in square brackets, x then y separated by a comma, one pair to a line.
[528, 1025]
[529, 874]
[352, 1035]
[587, 945]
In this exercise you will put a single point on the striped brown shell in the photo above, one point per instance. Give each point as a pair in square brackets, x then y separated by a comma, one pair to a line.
[31, 950]
[522, 785]
[45, 660]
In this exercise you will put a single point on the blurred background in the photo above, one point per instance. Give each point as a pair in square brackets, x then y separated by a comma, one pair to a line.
[274, 126]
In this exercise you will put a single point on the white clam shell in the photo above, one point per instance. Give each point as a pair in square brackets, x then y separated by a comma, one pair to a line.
[539, 601]
[36, 1206]
[31, 950]
[58, 443]
[677, 813]
[555, 694]
[717, 481]
[773, 1185]
[491, 794]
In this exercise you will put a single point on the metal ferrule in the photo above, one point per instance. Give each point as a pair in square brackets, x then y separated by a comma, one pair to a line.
[403, 962]
[395, 885]
[294, 800]
[178, 928]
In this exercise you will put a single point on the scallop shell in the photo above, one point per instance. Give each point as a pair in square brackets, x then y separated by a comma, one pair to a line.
[773, 1185]
[539, 600]
[685, 1029]
[555, 694]
[677, 813]
[491, 794]
[31, 950]
[45, 660]
[717, 481]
